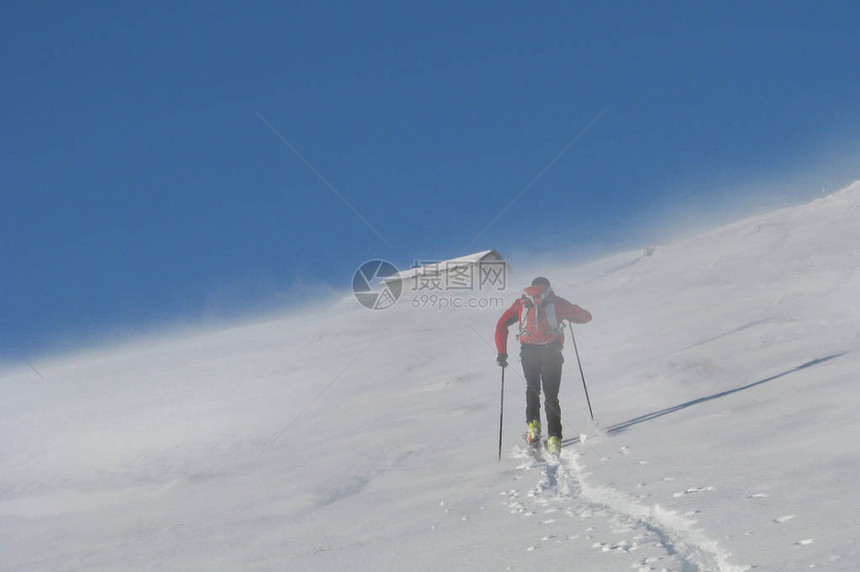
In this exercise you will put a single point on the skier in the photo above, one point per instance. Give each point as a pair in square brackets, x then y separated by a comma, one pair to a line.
[540, 314]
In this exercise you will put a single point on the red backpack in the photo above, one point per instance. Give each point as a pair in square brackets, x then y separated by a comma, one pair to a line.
[539, 324]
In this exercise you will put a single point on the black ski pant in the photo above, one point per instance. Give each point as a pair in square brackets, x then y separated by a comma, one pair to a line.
[542, 367]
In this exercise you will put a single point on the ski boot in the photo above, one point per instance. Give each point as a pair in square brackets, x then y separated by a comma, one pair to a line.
[553, 445]
[534, 433]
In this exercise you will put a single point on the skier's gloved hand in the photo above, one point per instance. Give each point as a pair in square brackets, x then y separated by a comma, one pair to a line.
[502, 360]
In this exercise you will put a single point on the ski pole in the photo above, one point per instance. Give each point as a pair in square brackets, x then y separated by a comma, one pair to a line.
[502, 413]
[585, 387]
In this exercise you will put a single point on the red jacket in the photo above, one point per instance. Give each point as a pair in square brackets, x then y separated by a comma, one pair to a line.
[540, 314]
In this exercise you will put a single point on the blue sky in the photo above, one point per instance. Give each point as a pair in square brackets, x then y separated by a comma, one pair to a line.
[143, 184]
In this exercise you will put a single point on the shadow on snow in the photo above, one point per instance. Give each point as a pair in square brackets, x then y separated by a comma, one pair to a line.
[619, 427]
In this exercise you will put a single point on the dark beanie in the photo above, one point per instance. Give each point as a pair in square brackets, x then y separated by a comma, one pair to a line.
[541, 281]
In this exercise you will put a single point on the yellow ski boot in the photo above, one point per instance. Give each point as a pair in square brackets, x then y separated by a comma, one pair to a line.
[553, 445]
[534, 433]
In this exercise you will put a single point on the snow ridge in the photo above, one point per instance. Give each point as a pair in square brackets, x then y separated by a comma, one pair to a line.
[713, 361]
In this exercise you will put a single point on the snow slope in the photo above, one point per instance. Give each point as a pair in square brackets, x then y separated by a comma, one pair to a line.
[721, 370]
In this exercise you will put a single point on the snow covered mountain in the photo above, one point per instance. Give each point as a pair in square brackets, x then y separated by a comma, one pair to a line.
[722, 371]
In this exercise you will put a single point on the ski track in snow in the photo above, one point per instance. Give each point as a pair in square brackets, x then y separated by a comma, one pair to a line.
[656, 538]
